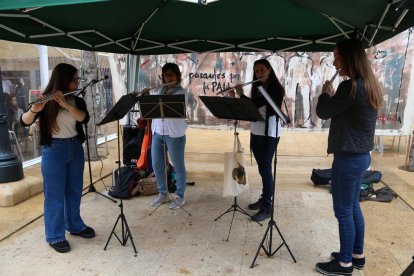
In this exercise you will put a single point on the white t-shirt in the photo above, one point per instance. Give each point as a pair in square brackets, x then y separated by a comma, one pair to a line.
[172, 127]
[66, 123]
[258, 128]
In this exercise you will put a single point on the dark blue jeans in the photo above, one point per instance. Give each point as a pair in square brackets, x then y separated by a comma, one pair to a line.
[263, 149]
[347, 170]
[62, 170]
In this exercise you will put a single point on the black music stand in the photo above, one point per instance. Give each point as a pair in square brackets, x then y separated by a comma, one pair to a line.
[121, 108]
[160, 107]
[233, 109]
[269, 230]
[91, 188]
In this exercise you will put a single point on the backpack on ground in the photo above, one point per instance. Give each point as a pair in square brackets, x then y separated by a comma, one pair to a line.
[146, 186]
[321, 176]
[124, 183]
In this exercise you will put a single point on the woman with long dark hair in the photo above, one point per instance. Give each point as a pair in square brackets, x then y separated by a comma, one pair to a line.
[61, 137]
[265, 135]
[353, 112]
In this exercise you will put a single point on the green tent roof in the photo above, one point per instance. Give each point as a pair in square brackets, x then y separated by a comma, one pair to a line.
[174, 26]
[35, 4]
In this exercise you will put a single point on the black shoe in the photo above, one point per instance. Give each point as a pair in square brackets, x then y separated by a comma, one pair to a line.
[263, 214]
[61, 247]
[333, 268]
[257, 205]
[358, 263]
[86, 233]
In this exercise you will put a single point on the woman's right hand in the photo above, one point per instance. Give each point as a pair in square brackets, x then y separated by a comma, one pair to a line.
[239, 89]
[145, 91]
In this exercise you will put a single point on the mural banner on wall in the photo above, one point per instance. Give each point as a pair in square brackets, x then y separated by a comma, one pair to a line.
[301, 73]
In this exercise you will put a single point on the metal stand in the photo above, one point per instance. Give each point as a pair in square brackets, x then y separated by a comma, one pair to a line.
[166, 165]
[266, 243]
[91, 188]
[161, 107]
[121, 108]
[125, 232]
[235, 207]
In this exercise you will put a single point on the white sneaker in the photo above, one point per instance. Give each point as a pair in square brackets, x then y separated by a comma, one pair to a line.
[160, 199]
[177, 203]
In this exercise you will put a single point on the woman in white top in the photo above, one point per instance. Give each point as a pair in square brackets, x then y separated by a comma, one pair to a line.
[61, 137]
[264, 136]
[172, 131]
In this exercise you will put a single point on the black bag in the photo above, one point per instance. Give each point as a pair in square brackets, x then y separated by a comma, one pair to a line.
[321, 177]
[383, 194]
[371, 176]
[171, 179]
[124, 183]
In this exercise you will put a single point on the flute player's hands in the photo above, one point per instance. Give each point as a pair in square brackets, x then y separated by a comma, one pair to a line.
[239, 89]
[61, 100]
[328, 88]
[145, 91]
[231, 93]
[37, 107]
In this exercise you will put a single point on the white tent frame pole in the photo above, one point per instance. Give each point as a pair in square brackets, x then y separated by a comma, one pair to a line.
[138, 33]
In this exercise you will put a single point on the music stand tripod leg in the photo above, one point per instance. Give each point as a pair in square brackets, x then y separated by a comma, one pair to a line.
[166, 165]
[234, 208]
[91, 188]
[271, 224]
[125, 231]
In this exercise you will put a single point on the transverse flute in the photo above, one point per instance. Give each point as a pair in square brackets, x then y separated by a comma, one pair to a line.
[158, 86]
[334, 76]
[47, 98]
[243, 84]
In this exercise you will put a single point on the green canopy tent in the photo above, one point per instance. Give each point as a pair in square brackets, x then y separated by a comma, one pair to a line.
[175, 26]
[142, 27]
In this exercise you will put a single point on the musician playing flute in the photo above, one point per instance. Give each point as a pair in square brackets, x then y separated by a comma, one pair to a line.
[172, 133]
[61, 138]
[353, 110]
[263, 140]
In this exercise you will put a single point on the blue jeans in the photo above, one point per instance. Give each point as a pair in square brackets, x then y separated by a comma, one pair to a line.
[263, 149]
[175, 148]
[62, 170]
[347, 170]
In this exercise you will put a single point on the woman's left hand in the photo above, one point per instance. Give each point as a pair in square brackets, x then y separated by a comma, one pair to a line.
[60, 99]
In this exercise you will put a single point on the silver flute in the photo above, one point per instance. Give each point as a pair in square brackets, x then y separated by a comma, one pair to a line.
[243, 84]
[155, 87]
[334, 76]
[48, 98]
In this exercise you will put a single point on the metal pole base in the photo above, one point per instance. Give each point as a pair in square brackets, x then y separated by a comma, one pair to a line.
[125, 232]
[92, 189]
[235, 208]
[266, 243]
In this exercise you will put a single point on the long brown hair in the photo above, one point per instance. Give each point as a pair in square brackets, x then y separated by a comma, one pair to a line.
[355, 63]
[62, 76]
[272, 80]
